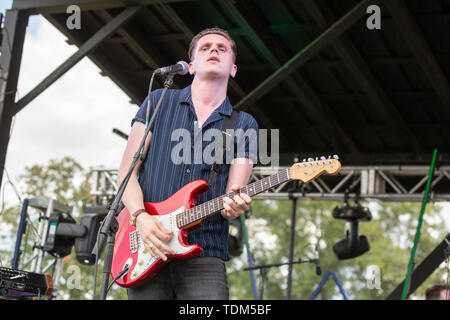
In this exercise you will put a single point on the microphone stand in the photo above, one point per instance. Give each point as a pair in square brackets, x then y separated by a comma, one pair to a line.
[109, 226]
[263, 270]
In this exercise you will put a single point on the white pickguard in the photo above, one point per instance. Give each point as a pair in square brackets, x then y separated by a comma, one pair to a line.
[145, 259]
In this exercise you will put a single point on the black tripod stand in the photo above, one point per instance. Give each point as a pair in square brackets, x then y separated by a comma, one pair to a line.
[109, 226]
[263, 271]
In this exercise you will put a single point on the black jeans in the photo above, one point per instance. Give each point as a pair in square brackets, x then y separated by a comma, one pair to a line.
[200, 278]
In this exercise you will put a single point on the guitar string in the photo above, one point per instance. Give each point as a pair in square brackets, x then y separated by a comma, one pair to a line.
[207, 208]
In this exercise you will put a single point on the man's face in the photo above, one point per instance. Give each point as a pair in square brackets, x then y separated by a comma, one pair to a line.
[213, 57]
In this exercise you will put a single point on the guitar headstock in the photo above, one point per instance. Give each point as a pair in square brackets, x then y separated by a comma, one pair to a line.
[310, 169]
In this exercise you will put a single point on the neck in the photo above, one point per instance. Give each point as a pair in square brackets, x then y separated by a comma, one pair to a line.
[193, 215]
[208, 93]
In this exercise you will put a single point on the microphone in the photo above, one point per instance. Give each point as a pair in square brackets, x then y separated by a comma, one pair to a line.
[180, 68]
[317, 261]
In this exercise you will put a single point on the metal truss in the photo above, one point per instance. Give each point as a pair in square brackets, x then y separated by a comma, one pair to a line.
[40, 261]
[383, 183]
[103, 185]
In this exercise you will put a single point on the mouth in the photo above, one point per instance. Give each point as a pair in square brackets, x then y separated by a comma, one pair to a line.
[213, 59]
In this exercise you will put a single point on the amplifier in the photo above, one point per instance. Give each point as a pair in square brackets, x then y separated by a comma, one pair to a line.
[17, 283]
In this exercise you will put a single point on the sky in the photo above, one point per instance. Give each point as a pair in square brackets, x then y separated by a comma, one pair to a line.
[74, 117]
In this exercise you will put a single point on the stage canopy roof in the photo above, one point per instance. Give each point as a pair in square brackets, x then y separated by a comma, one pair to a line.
[312, 69]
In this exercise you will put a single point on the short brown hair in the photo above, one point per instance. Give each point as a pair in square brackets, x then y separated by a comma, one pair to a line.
[214, 30]
[434, 292]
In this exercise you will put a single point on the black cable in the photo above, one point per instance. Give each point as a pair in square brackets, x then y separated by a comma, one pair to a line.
[101, 225]
[96, 260]
[447, 254]
[124, 271]
[13, 186]
[447, 296]
[148, 98]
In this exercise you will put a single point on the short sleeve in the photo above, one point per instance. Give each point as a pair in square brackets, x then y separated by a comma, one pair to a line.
[142, 112]
[246, 138]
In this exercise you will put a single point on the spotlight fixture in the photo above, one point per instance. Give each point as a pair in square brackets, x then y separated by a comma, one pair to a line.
[353, 245]
[64, 233]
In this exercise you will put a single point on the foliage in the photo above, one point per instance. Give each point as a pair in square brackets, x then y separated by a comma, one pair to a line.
[390, 233]
[67, 182]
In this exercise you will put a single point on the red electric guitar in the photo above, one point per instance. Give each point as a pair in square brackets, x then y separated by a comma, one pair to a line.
[180, 215]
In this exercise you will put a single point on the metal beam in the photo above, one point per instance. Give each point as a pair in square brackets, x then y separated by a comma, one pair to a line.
[84, 50]
[12, 46]
[296, 85]
[133, 38]
[101, 59]
[406, 60]
[60, 6]
[384, 183]
[306, 53]
[169, 12]
[423, 270]
[424, 55]
[307, 26]
[363, 76]
[136, 39]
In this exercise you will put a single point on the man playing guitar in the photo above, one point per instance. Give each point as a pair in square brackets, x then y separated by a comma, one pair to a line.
[200, 106]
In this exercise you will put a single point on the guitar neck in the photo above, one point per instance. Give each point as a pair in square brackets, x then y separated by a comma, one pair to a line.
[210, 207]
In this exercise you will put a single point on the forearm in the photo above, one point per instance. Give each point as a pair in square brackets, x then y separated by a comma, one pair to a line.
[240, 171]
[238, 177]
[133, 198]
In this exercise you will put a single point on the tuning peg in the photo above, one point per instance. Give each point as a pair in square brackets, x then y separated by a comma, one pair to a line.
[323, 158]
[310, 159]
[304, 160]
[336, 157]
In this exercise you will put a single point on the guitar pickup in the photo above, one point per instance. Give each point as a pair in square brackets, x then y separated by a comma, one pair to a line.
[135, 240]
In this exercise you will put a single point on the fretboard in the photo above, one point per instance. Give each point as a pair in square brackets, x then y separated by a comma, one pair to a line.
[210, 207]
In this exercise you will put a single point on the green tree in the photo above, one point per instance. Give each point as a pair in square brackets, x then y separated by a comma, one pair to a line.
[390, 234]
[66, 181]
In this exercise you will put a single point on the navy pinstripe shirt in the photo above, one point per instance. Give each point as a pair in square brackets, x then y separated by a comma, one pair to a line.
[160, 176]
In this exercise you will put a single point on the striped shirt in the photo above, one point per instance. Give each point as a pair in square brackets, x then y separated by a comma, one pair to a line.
[162, 173]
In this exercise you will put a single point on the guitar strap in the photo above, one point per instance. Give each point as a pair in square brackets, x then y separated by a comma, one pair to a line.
[229, 122]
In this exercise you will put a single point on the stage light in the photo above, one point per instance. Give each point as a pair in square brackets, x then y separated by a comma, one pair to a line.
[353, 245]
[236, 238]
[61, 234]
[85, 245]
[64, 233]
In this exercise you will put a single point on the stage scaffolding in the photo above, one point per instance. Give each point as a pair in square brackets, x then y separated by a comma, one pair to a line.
[384, 183]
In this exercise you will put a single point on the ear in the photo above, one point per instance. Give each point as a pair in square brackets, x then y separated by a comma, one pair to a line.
[191, 68]
[233, 70]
